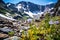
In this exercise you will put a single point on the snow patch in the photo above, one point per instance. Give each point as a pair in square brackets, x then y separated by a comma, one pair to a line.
[29, 13]
[19, 7]
[8, 5]
[6, 17]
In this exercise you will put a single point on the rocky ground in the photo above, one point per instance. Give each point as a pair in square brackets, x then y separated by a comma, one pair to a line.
[7, 26]
[12, 29]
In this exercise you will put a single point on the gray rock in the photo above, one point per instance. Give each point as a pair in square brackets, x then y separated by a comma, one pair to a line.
[3, 35]
[5, 29]
[24, 27]
[29, 20]
[12, 38]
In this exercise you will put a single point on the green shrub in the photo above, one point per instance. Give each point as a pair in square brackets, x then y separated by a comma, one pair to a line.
[11, 33]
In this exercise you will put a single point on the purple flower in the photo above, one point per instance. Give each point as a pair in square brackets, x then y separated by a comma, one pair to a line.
[56, 22]
[51, 22]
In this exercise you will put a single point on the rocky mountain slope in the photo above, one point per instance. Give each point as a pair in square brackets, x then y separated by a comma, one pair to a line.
[19, 10]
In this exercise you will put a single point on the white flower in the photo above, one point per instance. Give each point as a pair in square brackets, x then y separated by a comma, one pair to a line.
[51, 22]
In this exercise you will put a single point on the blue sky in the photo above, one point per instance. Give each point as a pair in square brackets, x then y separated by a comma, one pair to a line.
[40, 2]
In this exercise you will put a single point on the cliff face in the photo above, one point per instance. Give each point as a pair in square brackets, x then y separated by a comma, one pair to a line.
[5, 22]
[2, 3]
[57, 4]
[57, 8]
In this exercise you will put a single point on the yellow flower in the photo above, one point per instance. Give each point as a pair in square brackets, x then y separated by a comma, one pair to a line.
[30, 32]
[49, 30]
[23, 36]
[32, 38]
[43, 32]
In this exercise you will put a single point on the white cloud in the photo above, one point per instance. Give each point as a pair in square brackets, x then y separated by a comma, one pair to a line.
[50, 2]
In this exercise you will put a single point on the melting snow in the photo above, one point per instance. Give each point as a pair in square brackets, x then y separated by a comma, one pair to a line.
[6, 17]
[29, 13]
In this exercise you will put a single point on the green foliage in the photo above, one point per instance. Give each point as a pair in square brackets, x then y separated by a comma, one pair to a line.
[3, 11]
[45, 31]
[11, 33]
